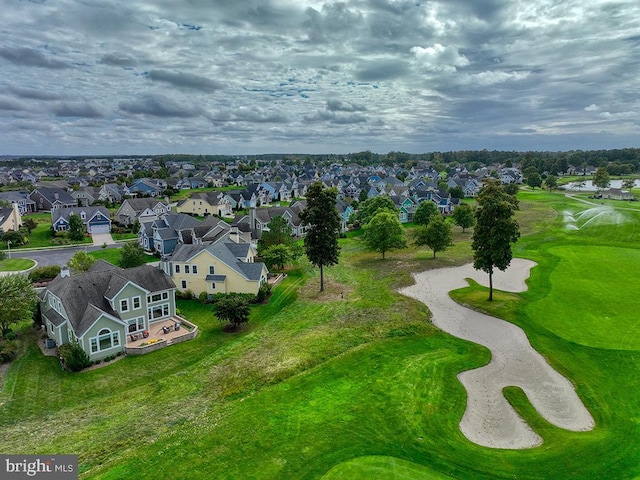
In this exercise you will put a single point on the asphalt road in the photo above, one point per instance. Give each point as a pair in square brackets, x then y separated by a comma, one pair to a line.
[54, 256]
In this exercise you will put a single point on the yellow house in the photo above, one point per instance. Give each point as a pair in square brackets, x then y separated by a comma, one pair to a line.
[205, 203]
[10, 218]
[221, 267]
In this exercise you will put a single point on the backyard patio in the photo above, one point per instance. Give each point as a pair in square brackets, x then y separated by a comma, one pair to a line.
[161, 334]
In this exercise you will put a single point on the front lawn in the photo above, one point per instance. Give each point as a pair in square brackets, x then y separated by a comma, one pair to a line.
[16, 264]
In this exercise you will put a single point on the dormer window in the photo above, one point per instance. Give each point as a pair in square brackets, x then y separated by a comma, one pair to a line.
[83, 215]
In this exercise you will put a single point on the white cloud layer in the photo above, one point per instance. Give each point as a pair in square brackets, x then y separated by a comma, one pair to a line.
[313, 76]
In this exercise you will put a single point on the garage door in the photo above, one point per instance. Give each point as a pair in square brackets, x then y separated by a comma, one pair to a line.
[100, 228]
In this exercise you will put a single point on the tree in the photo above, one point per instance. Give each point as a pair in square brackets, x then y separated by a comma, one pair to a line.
[424, 212]
[233, 309]
[371, 206]
[456, 192]
[76, 228]
[534, 180]
[279, 233]
[436, 235]
[277, 256]
[628, 183]
[363, 196]
[17, 302]
[30, 224]
[323, 227]
[511, 188]
[464, 216]
[495, 231]
[81, 262]
[384, 232]
[16, 238]
[551, 182]
[601, 178]
[132, 255]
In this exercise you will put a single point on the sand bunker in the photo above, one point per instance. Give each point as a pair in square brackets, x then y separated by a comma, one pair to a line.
[489, 419]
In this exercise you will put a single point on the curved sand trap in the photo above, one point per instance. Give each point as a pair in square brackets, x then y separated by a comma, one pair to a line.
[489, 419]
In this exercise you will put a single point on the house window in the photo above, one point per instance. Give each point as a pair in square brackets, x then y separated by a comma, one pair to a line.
[186, 269]
[51, 327]
[165, 295]
[156, 297]
[159, 311]
[105, 340]
[194, 268]
[213, 285]
[135, 325]
[177, 268]
[124, 305]
[184, 284]
[137, 303]
[212, 270]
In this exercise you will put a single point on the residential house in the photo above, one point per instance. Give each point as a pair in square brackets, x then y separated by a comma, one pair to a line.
[102, 308]
[259, 218]
[206, 203]
[10, 218]
[95, 219]
[50, 198]
[20, 198]
[146, 186]
[142, 209]
[617, 194]
[221, 267]
[85, 196]
[162, 234]
[113, 193]
[345, 210]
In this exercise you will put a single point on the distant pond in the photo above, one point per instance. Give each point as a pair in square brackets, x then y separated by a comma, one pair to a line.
[588, 186]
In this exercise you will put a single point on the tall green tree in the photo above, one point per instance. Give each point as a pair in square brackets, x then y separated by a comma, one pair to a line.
[436, 235]
[81, 262]
[551, 182]
[30, 224]
[628, 183]
[279, 233]
[17, 302]
[464, 216]
[424, 212]
[384, 232]
[277, 256]
[132, 255]
[371, 206]
[534, 180]
[76, 228]
[601, 178]
[322, 220]
[496, 229]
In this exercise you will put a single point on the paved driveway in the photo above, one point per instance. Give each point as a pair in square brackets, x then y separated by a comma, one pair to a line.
[100, 239]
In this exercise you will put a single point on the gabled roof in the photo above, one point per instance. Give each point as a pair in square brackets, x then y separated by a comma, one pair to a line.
[85, 297]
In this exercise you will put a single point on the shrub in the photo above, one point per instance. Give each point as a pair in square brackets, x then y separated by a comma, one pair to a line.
[44, 273]
[263, 293]
[8, 350]
[75, 359]
[3, 255]
[203, 297]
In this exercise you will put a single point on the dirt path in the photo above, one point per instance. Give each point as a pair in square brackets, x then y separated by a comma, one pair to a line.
[489, 420]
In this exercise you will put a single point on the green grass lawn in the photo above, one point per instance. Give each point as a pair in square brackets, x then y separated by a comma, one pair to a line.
[112, 255]
[41, 235]
[16, 264]
[354, 382]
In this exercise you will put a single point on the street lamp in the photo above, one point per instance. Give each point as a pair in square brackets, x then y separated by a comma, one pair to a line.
[9, 248]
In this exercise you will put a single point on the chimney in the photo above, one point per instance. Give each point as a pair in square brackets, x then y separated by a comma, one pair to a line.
[64, 272]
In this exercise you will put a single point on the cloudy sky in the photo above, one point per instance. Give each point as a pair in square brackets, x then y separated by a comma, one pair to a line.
[302, 76]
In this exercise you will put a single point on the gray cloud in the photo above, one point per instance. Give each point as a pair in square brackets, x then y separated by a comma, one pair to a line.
[185, 80]
[29, 57]
[308, 76]
[158, 105]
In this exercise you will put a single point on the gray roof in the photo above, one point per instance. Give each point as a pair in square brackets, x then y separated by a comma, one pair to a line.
[227, 252]
[89, 212]
[139, 204]
[85, 297]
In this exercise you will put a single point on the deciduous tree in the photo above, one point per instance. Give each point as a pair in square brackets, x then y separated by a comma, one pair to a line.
[277, 256]
[384, 232]
[436, 235]
[279, 233]
[233, 309]
[371, 206]
[464, 216]
[81, 262]
[17, 302]
[551, 182]
[496, 229]
[601, 178]
[534, 180]
[76, 228]
[132, 255]
[424, 212]
[322, 220]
